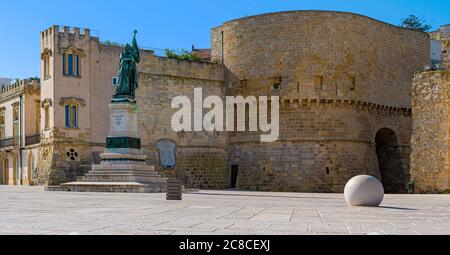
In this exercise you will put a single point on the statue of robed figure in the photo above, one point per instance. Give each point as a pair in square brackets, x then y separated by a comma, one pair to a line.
[128, 74]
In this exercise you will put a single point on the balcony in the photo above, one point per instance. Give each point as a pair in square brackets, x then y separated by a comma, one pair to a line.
[9, 142]
[33, 139]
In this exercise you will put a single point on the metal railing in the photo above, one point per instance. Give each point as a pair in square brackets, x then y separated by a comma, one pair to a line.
[9, 142]
[156, 51]
[434, 65]
[32, 139]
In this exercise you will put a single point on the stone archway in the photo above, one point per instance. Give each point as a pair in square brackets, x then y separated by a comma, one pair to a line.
[390, 161]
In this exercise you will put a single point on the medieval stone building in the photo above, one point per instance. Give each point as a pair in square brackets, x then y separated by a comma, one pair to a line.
[344, 82]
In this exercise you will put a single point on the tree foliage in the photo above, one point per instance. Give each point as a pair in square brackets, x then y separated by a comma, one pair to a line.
[415, 23]
[111, 43]
[183, 55]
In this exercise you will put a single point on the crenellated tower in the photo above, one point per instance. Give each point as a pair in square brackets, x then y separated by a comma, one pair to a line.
[76, 74]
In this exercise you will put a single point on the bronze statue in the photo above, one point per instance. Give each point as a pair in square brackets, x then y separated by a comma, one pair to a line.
[128, 74]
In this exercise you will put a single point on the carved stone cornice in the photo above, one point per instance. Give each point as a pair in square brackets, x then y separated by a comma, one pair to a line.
[46, 52]
[289, 102]
[72, 101]
[73, 50]
[47, 101]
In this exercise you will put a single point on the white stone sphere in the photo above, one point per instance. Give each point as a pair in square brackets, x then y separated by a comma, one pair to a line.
[364, 190]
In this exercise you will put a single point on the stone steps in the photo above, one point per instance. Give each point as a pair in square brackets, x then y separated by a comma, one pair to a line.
[123, 178]
[119, 178]
[123, 187]
[125, 167]
[150, 174]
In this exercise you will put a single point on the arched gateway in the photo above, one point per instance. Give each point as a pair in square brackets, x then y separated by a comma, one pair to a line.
[390, 161]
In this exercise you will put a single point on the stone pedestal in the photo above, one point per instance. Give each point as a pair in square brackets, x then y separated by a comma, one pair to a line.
[123, 167]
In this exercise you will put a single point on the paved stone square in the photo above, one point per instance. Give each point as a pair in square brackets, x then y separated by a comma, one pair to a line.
[31, 210]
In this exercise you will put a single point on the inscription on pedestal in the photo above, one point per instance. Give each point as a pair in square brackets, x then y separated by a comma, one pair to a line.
[118, 119]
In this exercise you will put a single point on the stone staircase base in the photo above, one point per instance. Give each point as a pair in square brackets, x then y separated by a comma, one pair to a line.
[125, 178]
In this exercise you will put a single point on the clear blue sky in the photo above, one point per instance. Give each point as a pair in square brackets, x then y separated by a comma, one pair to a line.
[167, 24]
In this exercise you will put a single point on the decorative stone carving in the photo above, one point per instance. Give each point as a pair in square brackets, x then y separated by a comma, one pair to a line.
[72, 101]
[47, 101]
[46, 52]
[166, 153]
[72, 50]
[72, 155]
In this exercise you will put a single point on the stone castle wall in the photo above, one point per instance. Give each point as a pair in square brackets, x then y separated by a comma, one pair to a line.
[430, 155]
[321, 146]
[323, 57]
[201, 156]
[348, 50]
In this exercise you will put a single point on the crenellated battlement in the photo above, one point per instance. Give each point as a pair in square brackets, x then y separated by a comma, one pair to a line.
[18, 88]
[81, 33]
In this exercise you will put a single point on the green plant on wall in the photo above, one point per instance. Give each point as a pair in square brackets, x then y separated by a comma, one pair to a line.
[183, 55]
[111, 43]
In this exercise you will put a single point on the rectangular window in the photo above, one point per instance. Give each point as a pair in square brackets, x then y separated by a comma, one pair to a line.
[67, 116]
[352, 83]
[70, 65]
[15, 122]
[318, 81]
[77, 59]
[64, 64]
[46, 65]
[74, 120]
[71, 116]
[16, 129]
[2, 127]
[38, 116]
[47, 117]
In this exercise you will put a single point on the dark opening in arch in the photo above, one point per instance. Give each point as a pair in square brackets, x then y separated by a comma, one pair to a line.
[390, 162]
[234, 176]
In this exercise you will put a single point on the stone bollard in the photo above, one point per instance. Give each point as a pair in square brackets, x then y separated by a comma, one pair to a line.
[364, 190]
[174, 189]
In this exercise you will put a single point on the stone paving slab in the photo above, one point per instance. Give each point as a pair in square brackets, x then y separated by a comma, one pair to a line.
[31, 210]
